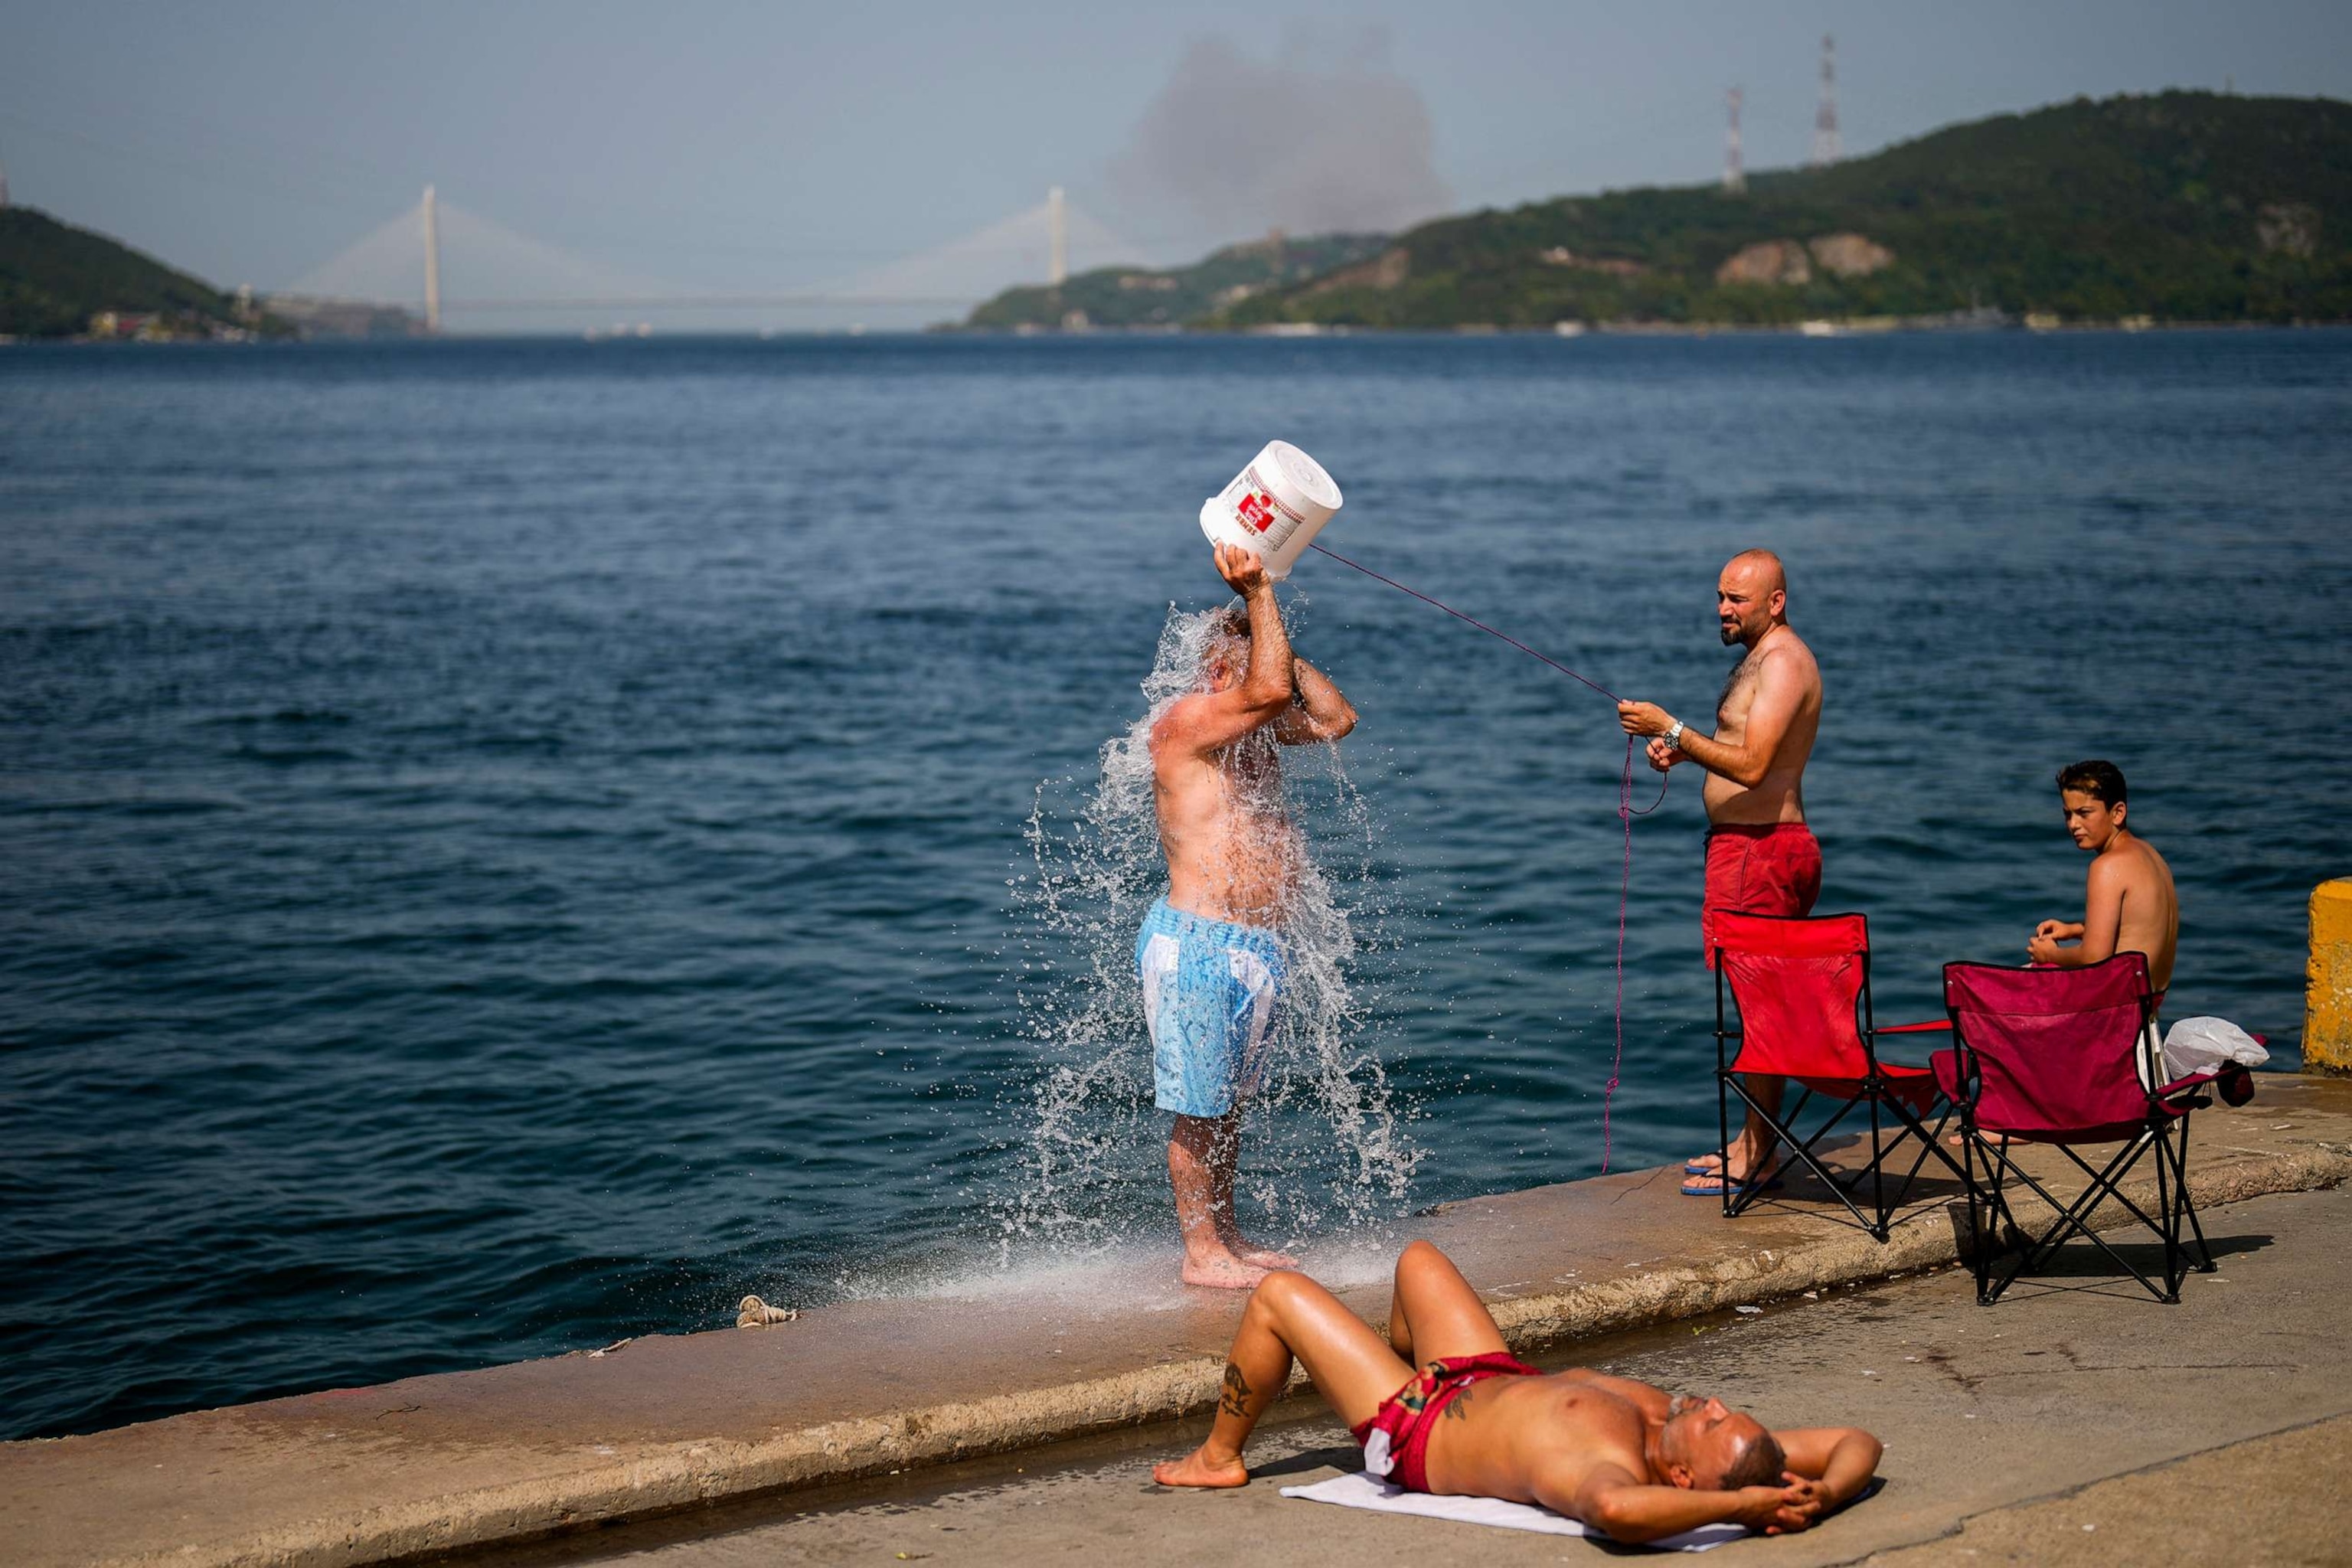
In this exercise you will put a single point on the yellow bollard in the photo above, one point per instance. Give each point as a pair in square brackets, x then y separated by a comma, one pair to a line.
[2327, 1012]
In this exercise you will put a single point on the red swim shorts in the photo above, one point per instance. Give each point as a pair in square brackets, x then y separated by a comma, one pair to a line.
[1771, 869]
[1396, 1439]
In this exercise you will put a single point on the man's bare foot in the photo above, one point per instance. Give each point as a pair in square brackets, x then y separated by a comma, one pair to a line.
[1222, 1272]
[1197, 1469]
[1262, 1257]
[1711, 1164]
[1255, 1257]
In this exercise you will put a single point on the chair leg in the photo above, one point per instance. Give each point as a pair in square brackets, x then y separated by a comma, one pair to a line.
[1877, 1175]
[1979, 1236]
[1997, 1216]
[2188, 1204]
[1990, 1211]
[1936, 1142]
[1998, 1156]
[2075, 1218]
[1796, 1151]
[1912, 1127]
[1723, 1131]
[2169, 1231]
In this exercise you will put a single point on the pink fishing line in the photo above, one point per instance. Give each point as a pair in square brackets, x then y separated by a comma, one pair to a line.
[1625, 814]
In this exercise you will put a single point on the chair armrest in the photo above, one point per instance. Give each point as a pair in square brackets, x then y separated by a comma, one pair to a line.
[2181, 1085]
[1913, 1029]
[2231, 1080]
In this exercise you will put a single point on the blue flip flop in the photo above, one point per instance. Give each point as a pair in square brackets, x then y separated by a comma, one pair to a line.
[1691, 1189]
[1693, 1168]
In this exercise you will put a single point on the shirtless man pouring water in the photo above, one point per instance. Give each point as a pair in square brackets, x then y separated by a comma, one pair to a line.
[1441, 1407]
[1211, 952]
[1761, 858]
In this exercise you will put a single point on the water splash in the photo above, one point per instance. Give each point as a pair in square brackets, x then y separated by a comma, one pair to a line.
[1324, 1146]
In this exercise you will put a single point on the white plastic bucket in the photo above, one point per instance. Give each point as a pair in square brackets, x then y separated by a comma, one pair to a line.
[1275, 506]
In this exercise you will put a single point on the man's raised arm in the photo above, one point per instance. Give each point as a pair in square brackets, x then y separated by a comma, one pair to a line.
[1208, 719]
[1320, 713]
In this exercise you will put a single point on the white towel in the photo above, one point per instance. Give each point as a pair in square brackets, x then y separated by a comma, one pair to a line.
[1364, 1491]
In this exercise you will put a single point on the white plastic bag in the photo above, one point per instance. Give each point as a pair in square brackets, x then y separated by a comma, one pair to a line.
[2203, 1045]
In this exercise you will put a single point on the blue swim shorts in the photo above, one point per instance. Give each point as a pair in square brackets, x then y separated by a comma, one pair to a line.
[1210, 994]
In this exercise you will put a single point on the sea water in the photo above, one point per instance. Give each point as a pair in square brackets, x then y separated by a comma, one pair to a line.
[510, 845]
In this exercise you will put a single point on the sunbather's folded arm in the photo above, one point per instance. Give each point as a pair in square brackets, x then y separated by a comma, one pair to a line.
[1843, 1458]
[1634, 1511]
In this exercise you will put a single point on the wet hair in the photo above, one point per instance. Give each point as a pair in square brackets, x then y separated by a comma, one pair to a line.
[2102, 782]
[1227, 642]
[1758, 1463]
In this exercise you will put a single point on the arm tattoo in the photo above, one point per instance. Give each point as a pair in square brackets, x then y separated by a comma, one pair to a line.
[1233, 1400]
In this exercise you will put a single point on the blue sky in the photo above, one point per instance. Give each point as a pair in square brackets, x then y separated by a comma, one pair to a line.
[743, 147]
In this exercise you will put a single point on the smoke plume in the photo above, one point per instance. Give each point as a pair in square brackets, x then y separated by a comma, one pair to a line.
[1321, 139]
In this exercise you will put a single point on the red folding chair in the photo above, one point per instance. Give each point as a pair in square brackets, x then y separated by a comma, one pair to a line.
[1801, 987]
[2049, 1055]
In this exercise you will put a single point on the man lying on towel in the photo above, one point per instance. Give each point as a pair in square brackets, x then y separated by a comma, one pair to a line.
[1448, 1411]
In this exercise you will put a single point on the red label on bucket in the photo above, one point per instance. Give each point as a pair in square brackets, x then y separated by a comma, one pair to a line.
[1256, 509]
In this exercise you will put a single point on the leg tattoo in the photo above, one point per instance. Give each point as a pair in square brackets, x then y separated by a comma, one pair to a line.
[1234, 1400]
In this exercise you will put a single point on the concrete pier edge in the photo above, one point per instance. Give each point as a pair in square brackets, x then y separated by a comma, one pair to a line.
[661, 1477]
[1535, 1325]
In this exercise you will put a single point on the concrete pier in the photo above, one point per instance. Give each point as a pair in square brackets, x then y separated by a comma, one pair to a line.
[2074, 1426]
[669, 1424]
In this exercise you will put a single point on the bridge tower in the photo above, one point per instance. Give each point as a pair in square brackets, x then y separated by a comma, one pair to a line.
[432, 263]
[1825, 131]
[1057, 224]
[1735, 174]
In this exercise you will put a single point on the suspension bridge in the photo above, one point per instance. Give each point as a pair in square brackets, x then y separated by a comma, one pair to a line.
[442, 261]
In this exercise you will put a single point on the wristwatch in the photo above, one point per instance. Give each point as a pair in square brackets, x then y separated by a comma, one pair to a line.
[1673, 737]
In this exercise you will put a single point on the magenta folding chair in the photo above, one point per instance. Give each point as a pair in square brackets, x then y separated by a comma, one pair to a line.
[2049, 1055]
[1801, 986]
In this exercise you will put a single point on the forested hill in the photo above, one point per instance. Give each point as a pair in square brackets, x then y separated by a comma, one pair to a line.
[2180, 206]
[1153, 298]
[55, 279]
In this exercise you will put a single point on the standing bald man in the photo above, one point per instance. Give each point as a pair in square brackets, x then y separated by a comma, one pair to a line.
[1761, 858]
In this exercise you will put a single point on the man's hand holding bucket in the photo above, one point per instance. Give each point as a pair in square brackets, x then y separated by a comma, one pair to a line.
[1243, 569]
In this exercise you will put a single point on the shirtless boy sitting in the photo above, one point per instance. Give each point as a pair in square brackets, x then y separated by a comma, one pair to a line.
[1447, 1410]
[2128, 904]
